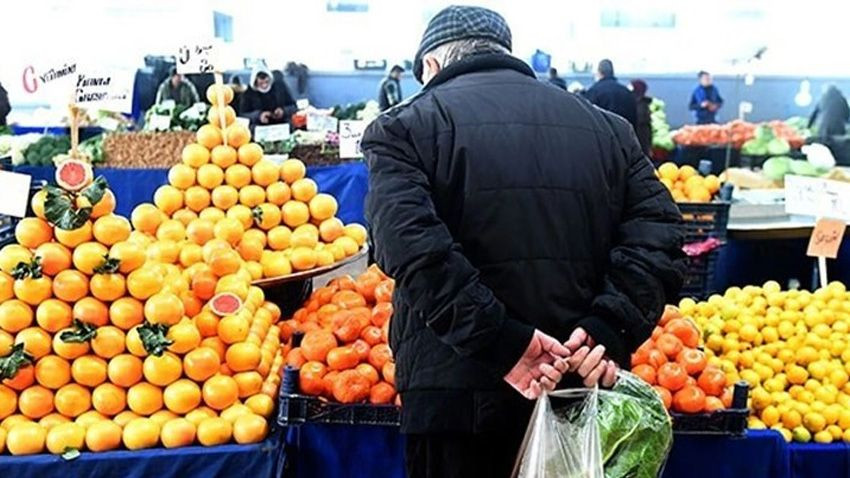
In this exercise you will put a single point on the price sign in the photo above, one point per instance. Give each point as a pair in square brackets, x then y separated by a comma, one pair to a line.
[16, 193]
[817, 197]
[350, 134]
[111, 91]
[38, 77]
[302, 104]
[160, 122]
[826, 238]
[241, 120]
[274, 132]
[197, 58]
[320, 122]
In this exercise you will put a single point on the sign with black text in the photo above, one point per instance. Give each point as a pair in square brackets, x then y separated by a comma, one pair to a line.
[817, 197]
[826, 238]
[272, 132]
[320, 122]
[350, 134]
[197, 58]
[111, 91]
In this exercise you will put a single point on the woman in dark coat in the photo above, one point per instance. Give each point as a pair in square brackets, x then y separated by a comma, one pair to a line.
[643, 125]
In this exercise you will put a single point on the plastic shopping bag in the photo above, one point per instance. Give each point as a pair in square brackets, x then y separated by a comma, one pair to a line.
[592, 433]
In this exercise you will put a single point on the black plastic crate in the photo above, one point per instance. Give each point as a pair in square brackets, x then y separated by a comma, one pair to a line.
[295, 409]
[699, 277]
[704, 220]
[731, 422]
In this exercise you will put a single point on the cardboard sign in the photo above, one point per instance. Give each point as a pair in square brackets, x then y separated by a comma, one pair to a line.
[817, 197]
[826, 238]
[16, 193]
[350, 134]
[111, 91]
[272, 132]
[197, 58]
[320, 122]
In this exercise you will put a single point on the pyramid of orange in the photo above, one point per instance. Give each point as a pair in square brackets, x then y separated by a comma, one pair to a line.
[225, 190]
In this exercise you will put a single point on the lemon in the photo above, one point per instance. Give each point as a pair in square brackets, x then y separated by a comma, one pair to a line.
[823, 437]
[806, 397]
[800, 434]
[835, 431]
[786, 433]
[770, 416]
[687, 306]
[792, 419]
[754, 423]
[750, 377]
[839, 377]
[814, 422]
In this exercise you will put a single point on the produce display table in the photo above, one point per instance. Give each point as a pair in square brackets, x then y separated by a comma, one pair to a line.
[347, 182]
[263, 460]
[338, 451]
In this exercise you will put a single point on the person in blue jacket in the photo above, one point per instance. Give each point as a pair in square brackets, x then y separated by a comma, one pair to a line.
[705, 100]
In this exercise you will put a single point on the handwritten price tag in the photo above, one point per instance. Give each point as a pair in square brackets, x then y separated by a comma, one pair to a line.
[817, 197]
[320, 122]
[199, 58]
[274, 132]
[111, 91]
[350, 134]
[826, 238]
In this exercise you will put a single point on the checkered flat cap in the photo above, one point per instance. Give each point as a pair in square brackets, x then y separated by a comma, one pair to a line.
[458, 23]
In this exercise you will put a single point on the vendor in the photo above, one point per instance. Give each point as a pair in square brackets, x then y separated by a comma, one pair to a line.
[610, 95]
[5, 106]
[266, 101]
[705, 100]
[389, 91]
[178, 89]
[831, 115]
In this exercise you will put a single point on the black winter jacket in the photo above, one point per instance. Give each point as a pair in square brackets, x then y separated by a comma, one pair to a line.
[612, 96]
[501, 205]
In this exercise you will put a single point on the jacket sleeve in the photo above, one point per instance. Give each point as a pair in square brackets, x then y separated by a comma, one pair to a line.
[249, 108]
[433, 277]
[645, 266]
[5, 106]
[694, 105]
[719, 98]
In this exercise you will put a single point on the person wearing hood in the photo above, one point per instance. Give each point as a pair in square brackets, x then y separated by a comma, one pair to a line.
[266, 101]
[831, 115]
[643, 123]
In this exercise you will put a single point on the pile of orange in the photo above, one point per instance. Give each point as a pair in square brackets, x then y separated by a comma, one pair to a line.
[671, 362]
[686, 184]
[343, 354]
[272, 214]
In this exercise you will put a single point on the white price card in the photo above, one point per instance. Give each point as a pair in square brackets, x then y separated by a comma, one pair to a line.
[350, 134]
[16, 193]
[272, 132]
[302, 104]
[243, 121]
[111, 91]
[320, 122]
[160, 122]
[197, 58]
[817, 197]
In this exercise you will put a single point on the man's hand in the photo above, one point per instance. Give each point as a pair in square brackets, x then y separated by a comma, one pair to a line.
[704, 104]
[265, 116]
[278, 113]
[589, 361]
[540, 368]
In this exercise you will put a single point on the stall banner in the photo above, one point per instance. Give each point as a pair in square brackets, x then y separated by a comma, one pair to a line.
[50, 81]
[105, 90]
[817, 197]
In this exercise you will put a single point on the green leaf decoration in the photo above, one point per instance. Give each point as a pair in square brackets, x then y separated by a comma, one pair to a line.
[70, 453]
[17, 359]
[257, 212]
[82, 332]
[60, 209]
[32, 269]
[94, 192]
[154, 338]
[108, 266]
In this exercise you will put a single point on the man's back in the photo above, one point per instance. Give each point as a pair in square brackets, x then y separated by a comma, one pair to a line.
[532, 185]
[612, 96]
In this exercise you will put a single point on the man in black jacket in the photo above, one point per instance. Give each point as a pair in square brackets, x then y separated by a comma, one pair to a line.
[513, 217]
[608, 94]
[5, 106]
[266, 101]
[389, 91]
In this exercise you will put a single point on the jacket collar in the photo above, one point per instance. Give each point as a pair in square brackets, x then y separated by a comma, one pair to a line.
[480, 62]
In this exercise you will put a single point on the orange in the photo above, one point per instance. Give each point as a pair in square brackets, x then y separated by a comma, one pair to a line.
[211, 214]
[234, 411]
[278, 193]
[217, 93]
[181, 176]
[144, 398]
[55, 258]
[109, 399]
[23, 378]
[316, 344]
[379, 355]
[223, 156]
[214, 116]
[234, 283]
[36, 341]
[303, 258]
[224, 261]
[182, 396]
[72, 400]
[53, 314]
[33, 290]
[37, 203]
[249, 383]
[292, 170]
[220, 392]
[111, 229]
[15, 315]
[11, 255]
[164, 308]
[229, 230]
[6, 342]
[671, 376]
[26, 439]
[712, 381]
[88, 370]
[92, 311]
[369, 372]
[105, 206]
[252, 195]
[191, 304]
[295, 213]
[250, 428]
[201, 363]
[310, 378]
[177, 433]
[35, 402]
[32, 232]
[304, 190]
[356, 232]
[243, 356]
[162, 370]
[131, 255]
[250, 153]
[348, 245]
[89, 255]
[107, 287]
[232, 329]
[52, 372]
[330, 229]
[265, 172]
[169, 199]
[260, 404]
[108, 342]
[7, 288]
[381, 313]
[52, 419]
[200, 231]
[225, 196]
[90, 417]
[689, 399]
[305, 235]
[140, 433]
[214, 431]
[279, 238]
[351, 387]
[184, 336]
[250, 249]
[323, 206]
[237, 135]
[210, 176]
[215, 344]
[146, 217]
[195, 155]
[103, 436]
[203, 285]
[196, 198]
[266, 216]
[186, 215]
[381, 393]
[68, 350]
[123, 418]
[243, 214]
[238, 176]
[197, 415]
[126, 312]
[342, 358]
[124, 370]
[70, 285]
[388, 372]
